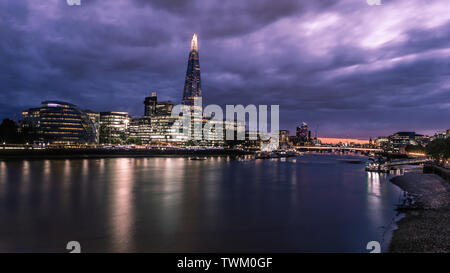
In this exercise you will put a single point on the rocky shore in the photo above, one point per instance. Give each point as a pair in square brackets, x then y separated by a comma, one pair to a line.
[426, 227]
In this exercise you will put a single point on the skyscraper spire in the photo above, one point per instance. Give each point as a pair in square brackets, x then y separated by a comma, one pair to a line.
[194, 45]
[192, 86]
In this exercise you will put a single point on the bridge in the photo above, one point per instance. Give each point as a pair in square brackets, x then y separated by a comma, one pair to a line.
[309, 148]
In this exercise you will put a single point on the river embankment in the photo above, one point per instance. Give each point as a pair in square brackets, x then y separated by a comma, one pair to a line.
[426, 225]
[113, 153]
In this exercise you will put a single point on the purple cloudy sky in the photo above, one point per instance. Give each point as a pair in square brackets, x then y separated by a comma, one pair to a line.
[348, 68]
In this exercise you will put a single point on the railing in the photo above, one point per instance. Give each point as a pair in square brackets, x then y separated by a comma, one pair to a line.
[408, 161]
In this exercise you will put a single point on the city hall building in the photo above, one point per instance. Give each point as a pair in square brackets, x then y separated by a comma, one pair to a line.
[57, 122]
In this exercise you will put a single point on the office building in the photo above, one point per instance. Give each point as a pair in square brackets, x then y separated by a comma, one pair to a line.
[140, 131]
[155, 108]
[95, 119]
[114, 127]
[57, 122]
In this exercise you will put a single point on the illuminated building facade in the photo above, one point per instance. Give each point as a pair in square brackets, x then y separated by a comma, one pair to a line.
[302, 136]
[156, 125]
[58, 122]
[401, 139]
[150, 105]
[29, 125]
[31, 117]
[163, 130]
[140, 130]
[382, 142]
[95, 119]
[442, 134]
[283, 138]
[114, 127]
[155, 108]
[303, 132]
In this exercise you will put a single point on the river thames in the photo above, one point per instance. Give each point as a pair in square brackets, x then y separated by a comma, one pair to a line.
[312, 203]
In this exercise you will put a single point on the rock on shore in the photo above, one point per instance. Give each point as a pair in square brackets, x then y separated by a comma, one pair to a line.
[426, 227]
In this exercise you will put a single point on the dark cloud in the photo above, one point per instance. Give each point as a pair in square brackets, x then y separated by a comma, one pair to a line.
[347, 68]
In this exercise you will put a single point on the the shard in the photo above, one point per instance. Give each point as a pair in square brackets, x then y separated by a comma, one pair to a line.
[192, 86]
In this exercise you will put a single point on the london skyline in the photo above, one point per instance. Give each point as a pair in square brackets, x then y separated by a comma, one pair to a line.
[306, 58]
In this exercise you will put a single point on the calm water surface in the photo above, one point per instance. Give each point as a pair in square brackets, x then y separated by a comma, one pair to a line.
[314, 203]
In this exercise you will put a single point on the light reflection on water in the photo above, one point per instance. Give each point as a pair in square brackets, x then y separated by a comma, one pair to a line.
[2, 171]
[313, 203]
[377, 191]
[122, 213]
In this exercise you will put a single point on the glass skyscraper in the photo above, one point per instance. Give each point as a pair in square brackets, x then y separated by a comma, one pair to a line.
[192, 86]
[114, 127]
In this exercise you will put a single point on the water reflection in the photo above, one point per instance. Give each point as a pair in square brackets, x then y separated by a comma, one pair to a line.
[181, 205]
[25, 176]
[2, 172]
[377, 185]
[373, 183]
[46, 171]
[122, 214]
[172, 189]
[85, 168]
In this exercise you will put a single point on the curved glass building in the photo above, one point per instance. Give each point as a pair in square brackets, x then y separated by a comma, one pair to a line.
[64, 123]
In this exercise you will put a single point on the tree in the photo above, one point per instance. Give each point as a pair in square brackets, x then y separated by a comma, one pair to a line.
[190, 143]
[115, 140]
[9, 132]
[439, 149]
[29, 134]
[415, 149]
[133, 140]
[446, 153]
